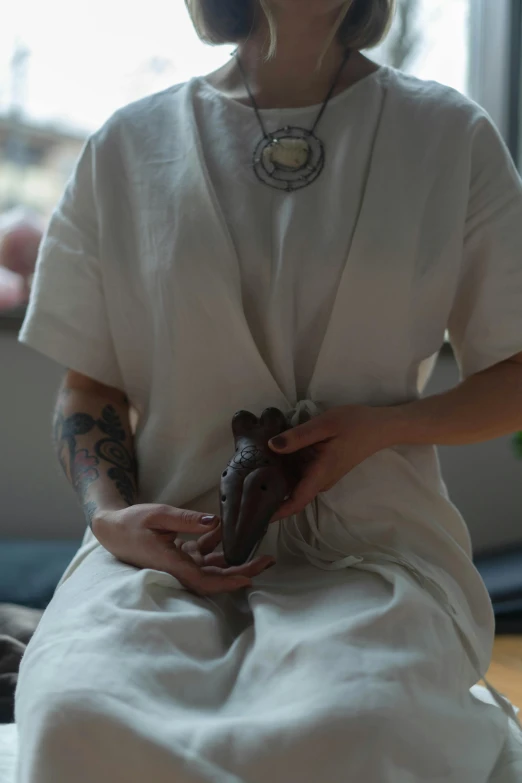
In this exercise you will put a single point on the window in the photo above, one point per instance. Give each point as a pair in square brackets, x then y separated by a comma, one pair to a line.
[514, 132]
[431, 39]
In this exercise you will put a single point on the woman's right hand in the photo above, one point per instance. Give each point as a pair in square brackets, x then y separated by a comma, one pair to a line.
[147, 536]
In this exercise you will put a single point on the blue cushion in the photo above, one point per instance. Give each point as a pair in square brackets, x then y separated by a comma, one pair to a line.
[30, 570]
[502, 573]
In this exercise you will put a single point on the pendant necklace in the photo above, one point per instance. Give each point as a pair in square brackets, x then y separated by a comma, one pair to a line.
[292, 157]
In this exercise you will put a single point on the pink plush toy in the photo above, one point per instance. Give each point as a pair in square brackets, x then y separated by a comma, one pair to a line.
[21, 232]
[12, 289]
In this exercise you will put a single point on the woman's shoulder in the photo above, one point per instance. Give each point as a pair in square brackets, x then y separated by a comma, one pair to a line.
[433, 105]
[141, 119]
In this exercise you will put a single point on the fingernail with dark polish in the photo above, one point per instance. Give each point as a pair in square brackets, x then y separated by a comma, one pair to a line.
[279, 442]
[209, 520]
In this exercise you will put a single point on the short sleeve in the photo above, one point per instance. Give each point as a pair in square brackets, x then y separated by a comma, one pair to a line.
[67, 318]
[485, 324]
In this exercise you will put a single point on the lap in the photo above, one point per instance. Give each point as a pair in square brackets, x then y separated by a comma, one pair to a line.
[108, 620]
[305, 663]
[124, 631]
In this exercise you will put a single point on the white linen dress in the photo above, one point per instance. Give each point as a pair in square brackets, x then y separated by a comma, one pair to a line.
[169, 271]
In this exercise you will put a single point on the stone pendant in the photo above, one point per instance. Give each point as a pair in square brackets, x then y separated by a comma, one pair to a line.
[289, 159]
[287, 153]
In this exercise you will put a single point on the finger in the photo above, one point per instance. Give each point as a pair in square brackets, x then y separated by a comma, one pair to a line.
[217, 560]
[180, 520]
[180, 543]
[293, 506]
[249, 570]
[204, 545]
[317, 429]
[284, 512]
[213, 584]
[201, 583]
[298, 463]
[165, 538]
[179, 548]
[190, 548]
[208, 542]
[311, 483]
[181, 565]
[329, 486]
[302, 495]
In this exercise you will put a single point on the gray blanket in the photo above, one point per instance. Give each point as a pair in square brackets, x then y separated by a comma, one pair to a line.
[17, 625]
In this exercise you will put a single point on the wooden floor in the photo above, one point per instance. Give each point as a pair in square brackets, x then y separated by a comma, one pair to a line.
[505, 673]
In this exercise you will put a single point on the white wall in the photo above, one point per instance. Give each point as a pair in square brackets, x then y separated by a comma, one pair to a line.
[35, 498]
[485, 480]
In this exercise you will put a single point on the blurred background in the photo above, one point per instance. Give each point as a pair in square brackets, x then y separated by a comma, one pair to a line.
[64, 69]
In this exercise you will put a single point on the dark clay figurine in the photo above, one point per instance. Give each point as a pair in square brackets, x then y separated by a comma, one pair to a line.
[255, 482]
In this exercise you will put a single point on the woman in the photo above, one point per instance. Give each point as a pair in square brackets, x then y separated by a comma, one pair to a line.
[297, 229]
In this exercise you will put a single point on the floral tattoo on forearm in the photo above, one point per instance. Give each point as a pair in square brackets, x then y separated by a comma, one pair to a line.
[83, 468]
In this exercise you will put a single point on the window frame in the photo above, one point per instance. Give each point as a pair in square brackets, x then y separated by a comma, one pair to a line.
[515, 76]
[495, 43]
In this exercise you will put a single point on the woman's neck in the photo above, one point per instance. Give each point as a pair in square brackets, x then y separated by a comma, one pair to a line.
[290, 79]
[300, 43]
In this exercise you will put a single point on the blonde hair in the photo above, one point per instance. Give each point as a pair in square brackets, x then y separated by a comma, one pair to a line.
[361, 24]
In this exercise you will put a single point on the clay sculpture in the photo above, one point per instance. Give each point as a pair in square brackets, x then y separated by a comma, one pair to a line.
[255, 481]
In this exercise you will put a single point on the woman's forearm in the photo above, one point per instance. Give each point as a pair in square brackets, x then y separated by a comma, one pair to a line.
[94, 443]
[485, 406]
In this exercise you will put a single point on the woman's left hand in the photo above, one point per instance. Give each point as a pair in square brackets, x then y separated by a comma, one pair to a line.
[337, 440]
